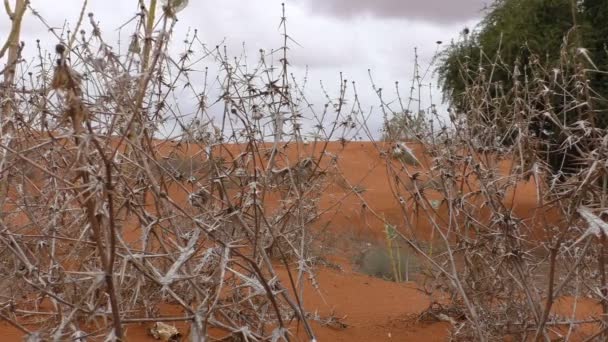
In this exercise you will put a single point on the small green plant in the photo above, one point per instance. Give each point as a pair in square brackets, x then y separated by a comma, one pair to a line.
[390, 262]
[381, 262]
[394, 254]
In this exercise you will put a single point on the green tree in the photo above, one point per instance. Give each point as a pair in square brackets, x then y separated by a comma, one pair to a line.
[595, 13]
[510, 32]
[515, 29]
[525, 59]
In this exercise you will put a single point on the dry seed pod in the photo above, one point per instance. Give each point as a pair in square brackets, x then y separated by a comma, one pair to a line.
[61, 78]
[64, 78]
[134, 47]
[60, 50]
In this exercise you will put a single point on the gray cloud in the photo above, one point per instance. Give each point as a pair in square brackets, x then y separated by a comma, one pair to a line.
[381, 36]
[439, 11]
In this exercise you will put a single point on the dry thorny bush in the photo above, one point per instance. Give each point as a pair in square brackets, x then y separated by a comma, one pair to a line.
[103, 224]
[105, 221]
[506, 272]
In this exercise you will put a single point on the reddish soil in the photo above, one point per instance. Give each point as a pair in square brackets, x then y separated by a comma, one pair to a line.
[366, 308]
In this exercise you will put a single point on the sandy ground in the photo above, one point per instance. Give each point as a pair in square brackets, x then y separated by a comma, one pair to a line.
[365, 308]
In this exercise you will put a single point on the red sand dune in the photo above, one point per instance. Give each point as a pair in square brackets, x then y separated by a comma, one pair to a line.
[371, 309]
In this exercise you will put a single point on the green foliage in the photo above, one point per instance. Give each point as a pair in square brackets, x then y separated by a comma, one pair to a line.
[596, 14]
[516, 27]
[512, 33]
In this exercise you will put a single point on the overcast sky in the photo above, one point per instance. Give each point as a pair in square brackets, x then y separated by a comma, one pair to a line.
[348, 36]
